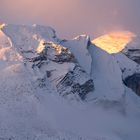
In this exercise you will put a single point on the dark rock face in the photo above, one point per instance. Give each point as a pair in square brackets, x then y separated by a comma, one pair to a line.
[83, 89]
[133, 54]
[71, 84]
[133, 82]
[132, 49]
[56, 53]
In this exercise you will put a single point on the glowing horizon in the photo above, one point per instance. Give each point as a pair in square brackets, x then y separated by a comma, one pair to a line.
[73, 17]
[115, 41]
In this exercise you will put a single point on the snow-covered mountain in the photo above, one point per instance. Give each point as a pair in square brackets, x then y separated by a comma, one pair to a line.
[125, 47]
[56, 89]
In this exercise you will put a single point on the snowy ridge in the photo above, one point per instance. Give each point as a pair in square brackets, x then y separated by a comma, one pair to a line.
[79, 47]
[26, 38]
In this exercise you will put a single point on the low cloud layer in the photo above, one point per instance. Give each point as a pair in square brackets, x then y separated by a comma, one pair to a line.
[74, 17]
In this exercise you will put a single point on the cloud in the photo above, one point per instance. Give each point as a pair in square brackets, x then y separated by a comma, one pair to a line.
[73, 17]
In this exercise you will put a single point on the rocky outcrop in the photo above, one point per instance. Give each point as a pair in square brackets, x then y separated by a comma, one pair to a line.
[133, 54]
[52, 58]
[133, 82]
[83, 89]
[132, 50]
[72, 83]
[54, 52]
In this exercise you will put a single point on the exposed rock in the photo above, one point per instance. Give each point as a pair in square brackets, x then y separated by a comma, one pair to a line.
[83, 89]
[133, 54]
[132, 50]
[54, 52]
[72, 83]
[133, 82]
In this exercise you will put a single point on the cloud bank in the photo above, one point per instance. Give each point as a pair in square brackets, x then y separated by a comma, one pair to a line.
[74, 17]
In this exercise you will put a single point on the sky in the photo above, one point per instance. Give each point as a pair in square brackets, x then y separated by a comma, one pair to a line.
[73, 17]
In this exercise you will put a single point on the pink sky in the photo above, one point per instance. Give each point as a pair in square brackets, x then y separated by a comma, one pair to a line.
[73, 17]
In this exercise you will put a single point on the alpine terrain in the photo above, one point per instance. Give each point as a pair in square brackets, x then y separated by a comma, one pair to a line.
[78, 89]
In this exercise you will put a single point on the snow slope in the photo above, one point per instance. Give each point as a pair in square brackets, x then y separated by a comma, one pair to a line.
[79, 47]
[106, 74]
[30, 106]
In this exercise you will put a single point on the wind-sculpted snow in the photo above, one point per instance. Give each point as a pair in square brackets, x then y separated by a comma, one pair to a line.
[52, 89]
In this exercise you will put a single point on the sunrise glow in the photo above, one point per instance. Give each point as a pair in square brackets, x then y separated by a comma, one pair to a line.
[114, 42]
[2, 25]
